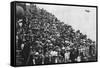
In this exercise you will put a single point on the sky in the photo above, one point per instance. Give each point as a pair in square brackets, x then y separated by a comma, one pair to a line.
[80, 18]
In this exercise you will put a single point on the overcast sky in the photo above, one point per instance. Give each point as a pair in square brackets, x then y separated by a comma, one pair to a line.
[82, 18]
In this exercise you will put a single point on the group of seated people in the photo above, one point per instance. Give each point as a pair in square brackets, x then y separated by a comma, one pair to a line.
[56, 54]
[43, 39]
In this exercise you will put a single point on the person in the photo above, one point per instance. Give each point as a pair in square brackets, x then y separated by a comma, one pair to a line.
[28, 56]
[67, 56]
[74, 54]
[40, 57]
[33, 57]
[92, 53]
[46, 59]
[62, 53]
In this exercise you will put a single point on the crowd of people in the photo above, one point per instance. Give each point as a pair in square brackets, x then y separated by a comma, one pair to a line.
[43, 39]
